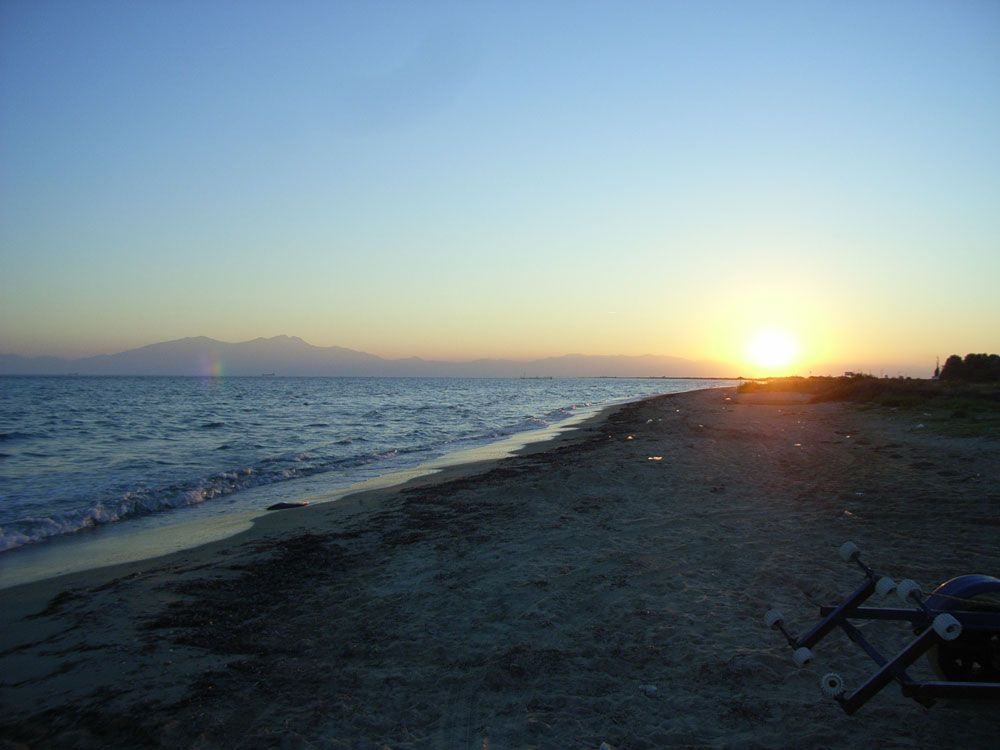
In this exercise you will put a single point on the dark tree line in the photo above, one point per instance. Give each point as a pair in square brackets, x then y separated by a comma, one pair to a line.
[975, 368]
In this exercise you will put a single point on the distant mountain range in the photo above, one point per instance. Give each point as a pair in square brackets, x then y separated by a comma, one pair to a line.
[290, 355]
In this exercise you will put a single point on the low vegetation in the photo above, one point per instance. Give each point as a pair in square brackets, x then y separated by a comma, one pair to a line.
[952, 407]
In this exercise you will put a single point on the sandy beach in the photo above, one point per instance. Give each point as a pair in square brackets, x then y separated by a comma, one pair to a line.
[608, 586]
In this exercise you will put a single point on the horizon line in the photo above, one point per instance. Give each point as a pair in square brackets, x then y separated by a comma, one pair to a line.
[526, 359]
[445, 360]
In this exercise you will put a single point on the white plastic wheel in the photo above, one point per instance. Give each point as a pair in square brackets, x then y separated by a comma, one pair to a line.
[971, 657]
[802, 656]
[947, 627]
[906, 589]
[832, 684]
[885, 586]
[849, 551]
[773, 618]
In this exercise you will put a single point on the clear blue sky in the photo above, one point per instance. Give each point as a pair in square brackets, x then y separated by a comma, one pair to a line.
[509, 179]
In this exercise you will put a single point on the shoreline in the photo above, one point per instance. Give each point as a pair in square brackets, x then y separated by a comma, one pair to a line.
[608, 586]
[98, 548]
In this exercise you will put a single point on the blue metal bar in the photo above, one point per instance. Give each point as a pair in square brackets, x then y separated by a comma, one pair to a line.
[879, 613]
[838, 615]
[855, 635]
[901, 677]
[969, 620]
[889, 671]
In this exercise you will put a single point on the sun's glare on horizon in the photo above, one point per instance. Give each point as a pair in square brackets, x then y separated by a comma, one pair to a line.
[492, 180]
[773, 350]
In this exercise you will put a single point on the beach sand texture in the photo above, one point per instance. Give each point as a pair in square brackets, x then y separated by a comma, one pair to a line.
[609, 588]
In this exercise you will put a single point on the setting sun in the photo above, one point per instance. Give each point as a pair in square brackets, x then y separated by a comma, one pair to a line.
[772, 348]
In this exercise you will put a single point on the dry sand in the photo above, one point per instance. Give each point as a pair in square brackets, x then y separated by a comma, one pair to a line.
[578, 595]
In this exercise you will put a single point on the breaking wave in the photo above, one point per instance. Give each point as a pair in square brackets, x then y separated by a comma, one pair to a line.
[78, 453]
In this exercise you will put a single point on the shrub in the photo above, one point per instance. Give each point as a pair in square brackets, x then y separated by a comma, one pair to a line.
[975, 368]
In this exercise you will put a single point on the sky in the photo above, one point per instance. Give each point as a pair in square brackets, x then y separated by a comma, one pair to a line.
[509, 179]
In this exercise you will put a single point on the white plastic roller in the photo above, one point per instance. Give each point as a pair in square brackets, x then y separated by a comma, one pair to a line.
[885, 586]
[906, 589]
[773, 618]
[849, 551]
[947, 627]
[802, 656]
[832, 684]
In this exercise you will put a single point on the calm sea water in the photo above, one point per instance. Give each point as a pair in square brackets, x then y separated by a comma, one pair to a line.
[77, 452]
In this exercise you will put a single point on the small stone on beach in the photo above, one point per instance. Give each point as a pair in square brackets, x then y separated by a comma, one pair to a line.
[286, 506]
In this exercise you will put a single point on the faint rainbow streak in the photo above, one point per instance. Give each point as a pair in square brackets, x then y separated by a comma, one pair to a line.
[210, 366]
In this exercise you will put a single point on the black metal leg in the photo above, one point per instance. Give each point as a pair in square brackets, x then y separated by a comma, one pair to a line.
[974, 690]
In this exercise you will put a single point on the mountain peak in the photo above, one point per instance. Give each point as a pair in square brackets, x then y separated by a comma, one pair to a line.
[290, 355]
[280, 338]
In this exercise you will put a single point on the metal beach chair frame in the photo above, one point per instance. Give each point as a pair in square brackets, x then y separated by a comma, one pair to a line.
[961, 634]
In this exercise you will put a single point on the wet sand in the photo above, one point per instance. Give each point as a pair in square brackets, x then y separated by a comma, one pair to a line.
[609, 588]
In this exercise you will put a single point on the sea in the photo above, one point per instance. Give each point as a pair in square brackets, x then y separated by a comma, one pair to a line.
[79, 454]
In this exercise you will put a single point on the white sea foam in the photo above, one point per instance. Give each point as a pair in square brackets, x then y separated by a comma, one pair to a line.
[85, 452]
